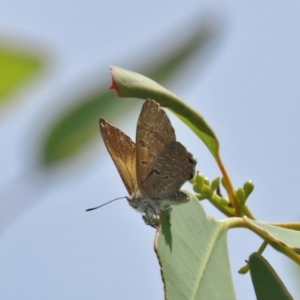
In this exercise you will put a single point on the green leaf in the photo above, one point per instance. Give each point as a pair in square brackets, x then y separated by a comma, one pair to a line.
[267, 284]
[282, 239]
[133, 85]
[17, 68]
[288, 236]
[193, 254]
[79, 126]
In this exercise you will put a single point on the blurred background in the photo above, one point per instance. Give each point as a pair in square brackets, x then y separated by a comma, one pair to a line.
[236, 62]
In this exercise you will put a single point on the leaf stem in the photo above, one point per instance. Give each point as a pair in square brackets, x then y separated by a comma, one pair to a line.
[226, 210]
[229, 186]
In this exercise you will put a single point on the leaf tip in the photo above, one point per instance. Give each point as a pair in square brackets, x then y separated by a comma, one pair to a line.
[114, 85]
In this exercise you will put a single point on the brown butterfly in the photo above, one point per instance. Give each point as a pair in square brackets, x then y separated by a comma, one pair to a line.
[154, 169]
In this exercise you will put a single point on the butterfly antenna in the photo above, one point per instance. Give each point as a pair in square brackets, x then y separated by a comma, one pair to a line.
[93, 208]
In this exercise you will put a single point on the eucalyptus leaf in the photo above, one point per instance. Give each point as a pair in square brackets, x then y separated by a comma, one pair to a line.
[266, 282]
[193, 254]
[288, 236]
[130, 84]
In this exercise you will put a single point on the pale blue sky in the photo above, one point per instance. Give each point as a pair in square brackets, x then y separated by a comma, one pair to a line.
[248, 91]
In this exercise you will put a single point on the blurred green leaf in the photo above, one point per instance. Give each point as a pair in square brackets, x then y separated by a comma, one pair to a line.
[193, 255]
[267, 284]
[17, 67]
[77, 127]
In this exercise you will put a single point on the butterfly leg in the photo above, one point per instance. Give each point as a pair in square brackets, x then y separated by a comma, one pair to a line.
[151, 218]
[154, 222]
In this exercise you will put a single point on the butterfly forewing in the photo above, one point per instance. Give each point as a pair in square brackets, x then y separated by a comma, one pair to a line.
[123, 152]
[154, 132]
[171, 169]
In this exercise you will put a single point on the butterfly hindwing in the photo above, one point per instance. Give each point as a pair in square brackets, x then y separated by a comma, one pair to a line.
[171, 169]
